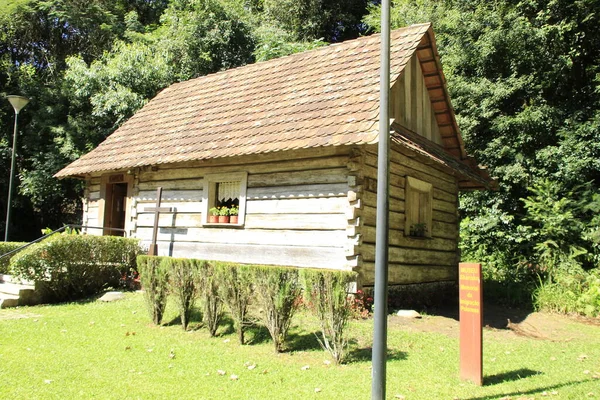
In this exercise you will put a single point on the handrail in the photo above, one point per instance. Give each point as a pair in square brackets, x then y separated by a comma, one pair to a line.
[64, 227]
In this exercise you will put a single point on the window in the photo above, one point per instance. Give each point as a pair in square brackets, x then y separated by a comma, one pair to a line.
[418, 202]
[224, 199]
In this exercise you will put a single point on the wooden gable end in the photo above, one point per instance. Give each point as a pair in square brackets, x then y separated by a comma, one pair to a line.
[411, 105]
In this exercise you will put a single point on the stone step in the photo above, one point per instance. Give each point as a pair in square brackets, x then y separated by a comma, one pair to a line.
[15, 289]
[7, 300]
[12, 279]
[16, 294]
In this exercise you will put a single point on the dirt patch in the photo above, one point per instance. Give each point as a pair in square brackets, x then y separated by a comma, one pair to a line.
[499, 321]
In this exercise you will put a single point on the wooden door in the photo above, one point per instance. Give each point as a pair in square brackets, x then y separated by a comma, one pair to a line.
[114, 214]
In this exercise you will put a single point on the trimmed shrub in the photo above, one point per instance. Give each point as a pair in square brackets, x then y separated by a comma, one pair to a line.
[327, 292]
[235, 290]
[208, 284]
[154, 274]
[277, 291]
[75, 266]
[182, 284]
[6, 247]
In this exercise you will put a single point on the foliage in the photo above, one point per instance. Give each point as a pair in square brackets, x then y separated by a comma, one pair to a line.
[183, 274]
[223, 212]
[571, 294]
[154, 274]
[6, 247]
[274, 42]
[306, 20]
[75, 266]
[558, 220]
[235, 291]
[208, 286]
[277, 290]
[361, 305]
[36, 38]
[328, 293]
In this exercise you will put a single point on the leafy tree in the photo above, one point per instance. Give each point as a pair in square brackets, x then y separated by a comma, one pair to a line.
[308, 20]
[36, 38]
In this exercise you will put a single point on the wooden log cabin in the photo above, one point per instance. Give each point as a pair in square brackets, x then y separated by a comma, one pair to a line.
[292, 143]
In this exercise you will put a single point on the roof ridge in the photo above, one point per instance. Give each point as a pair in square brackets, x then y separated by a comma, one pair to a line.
[302, 53]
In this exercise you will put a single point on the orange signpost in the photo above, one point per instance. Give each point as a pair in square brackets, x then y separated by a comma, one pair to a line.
[471, 319]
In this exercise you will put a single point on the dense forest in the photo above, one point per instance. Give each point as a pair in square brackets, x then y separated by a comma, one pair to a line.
[523, 75]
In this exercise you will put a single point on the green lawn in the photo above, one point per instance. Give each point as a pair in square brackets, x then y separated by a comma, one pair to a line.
[111, 351]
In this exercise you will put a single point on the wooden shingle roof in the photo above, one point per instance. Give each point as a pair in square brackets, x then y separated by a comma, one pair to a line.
[324, 97]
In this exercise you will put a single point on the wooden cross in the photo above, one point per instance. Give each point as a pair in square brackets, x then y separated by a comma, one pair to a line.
[153, 251]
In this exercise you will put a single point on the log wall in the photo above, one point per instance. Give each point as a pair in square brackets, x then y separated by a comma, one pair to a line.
[296, 209]
[311, 209]
[411, 260]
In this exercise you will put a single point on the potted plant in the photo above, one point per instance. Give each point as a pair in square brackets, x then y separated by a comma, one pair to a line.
[213, 216]
[223, 215]
[418, 230]
[233, 214]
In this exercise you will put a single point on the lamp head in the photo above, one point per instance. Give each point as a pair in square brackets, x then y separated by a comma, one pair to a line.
[18, 102]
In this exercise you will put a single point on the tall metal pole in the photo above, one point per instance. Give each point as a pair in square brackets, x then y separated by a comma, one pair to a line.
[381, 234]
[18, 102]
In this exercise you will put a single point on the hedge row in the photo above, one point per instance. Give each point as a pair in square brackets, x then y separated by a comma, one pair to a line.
[6, 247]
[75, 266]
[276, 291]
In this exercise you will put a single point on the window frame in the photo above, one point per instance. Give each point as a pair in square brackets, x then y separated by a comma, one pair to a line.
[414, 185]
[209, 188]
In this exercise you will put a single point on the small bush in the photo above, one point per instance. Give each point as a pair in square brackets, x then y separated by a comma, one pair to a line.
[182, 284]
[277, 290]
[235, 290]
[6, 247]
[361, 305]
[327, 291]
[571, 294]
[588, 302]
[154, 274]
[208, 284]
[75, 266]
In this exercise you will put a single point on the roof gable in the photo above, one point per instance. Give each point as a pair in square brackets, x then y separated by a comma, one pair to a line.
[324, 97]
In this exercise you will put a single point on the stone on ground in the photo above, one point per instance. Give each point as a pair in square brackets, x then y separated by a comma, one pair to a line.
[112, 296]
[408, 314]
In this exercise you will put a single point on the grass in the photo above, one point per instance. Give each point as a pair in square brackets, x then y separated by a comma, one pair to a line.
[112, 351]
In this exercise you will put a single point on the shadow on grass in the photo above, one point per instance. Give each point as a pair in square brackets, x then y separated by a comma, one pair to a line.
[494, 316]
[366, 354]
[509, 376]
[256, 334]
[531, 391]
[303, 341]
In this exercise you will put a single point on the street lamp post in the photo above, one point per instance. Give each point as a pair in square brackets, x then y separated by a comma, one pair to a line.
[18, 102]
